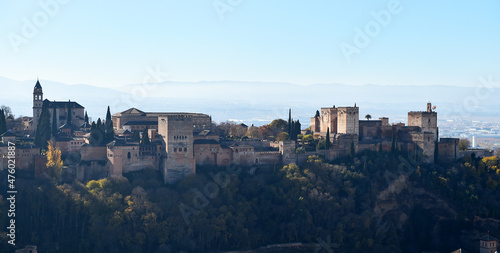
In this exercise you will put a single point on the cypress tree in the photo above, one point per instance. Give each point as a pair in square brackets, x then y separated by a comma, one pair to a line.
[290, 123]
[328, 143]
[110, 132]
[86, 118]
[43, 129]
[3, 122]
[136, 136]
[145, 137]
[298, 127]
[353, 149]
[97, 133]
[54, 121]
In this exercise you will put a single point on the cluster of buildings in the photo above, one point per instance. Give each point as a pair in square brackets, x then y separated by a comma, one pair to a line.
[179, 142]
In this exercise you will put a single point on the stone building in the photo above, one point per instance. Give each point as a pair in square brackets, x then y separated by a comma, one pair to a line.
[426, 120]
[60, 107]
[340, 120]
[135, 119]
[176, 132]
[448, 149]
[488, 244]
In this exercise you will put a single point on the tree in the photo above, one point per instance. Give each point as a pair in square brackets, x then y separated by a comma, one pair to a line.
[68, 116]
[97, 133]
[43, 129]
[368, 116]
[321, 145]
[283, 136]
[6, 111]
[317, 114]
[54, 161]
[463, 144]
[352, 149]
[290, 124]
[86, 118]
[265, 131]
[54, 121]
[237, 131]
[253, 132]
[3, 122]
[110, 132]
[307, 138]
[136, 136]
[328, 142]
[278, 125]
[145, 137]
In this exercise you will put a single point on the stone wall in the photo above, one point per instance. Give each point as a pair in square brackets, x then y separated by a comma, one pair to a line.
[448, 149]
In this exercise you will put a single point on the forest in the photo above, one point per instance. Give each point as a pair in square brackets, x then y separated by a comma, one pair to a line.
[372, 202]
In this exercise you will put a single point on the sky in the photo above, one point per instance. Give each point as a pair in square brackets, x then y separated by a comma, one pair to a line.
[389, 42]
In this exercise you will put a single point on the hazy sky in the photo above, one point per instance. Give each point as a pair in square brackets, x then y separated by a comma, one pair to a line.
[111, 43]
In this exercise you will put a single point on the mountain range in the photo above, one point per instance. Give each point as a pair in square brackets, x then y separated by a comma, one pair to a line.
[260, 102]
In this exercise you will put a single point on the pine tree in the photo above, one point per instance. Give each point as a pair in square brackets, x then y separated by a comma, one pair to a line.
[110, 132]
[328, 143]
[43, 129]
[145, 137]
[68, 116]
[54, 121]
[3, 122]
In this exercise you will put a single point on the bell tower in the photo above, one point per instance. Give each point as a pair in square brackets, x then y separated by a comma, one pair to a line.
[37, 103]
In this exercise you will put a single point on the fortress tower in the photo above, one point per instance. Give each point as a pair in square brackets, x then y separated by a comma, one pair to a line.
[328, 119]
[348, 120]
[176, 133]
[427, 120]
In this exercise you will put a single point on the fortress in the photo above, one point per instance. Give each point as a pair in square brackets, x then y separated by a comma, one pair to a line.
[181, 141]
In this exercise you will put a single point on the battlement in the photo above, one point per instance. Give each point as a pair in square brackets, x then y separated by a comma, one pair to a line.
[179, 117]
[267, 152]
[421, 112]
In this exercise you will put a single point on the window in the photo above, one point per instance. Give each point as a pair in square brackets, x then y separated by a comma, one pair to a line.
[128, 155]
[175, 149]
[185, 149]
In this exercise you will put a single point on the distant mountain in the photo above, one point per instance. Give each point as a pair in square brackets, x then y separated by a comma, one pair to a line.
[259, 102]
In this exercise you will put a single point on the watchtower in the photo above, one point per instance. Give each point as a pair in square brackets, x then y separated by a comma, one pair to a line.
[176, 133]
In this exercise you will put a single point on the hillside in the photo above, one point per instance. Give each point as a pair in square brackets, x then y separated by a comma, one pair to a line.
[374, 202]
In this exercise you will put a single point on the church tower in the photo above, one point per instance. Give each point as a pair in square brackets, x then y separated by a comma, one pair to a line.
[37, 103]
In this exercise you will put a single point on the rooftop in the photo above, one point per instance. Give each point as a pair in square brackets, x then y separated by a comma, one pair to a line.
[488, 238]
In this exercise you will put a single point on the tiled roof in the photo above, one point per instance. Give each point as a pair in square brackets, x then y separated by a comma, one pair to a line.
[63, 104]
